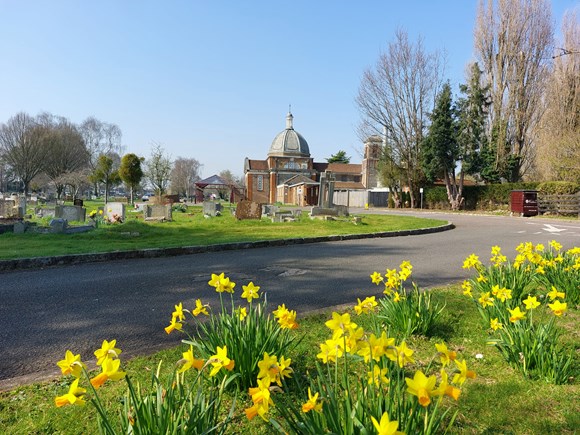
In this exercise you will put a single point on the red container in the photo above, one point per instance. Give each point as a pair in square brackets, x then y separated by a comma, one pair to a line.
[524, 202]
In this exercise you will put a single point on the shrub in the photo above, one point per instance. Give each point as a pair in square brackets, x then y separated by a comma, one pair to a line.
[558, 188]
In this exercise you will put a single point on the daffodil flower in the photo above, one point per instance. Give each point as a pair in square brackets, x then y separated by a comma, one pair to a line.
[178, 313]
[376, 278]
[71, 364]
[110, 371]
[220, 360]
[250, 292]
[199, 308]
[261, 398]
[516, 314]
[463, 374]
[421, 386]
[495, 324]
[404, 354]
[73, 397]
[531, 302]
[312, 403]
[445, 355]
[188, 361]
[558, 307]
[378, 376]
[174, 325]
[554, 294]
[107, 351]
[385, 426]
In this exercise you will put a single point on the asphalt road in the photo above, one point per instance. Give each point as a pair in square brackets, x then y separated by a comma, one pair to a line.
[45, 312]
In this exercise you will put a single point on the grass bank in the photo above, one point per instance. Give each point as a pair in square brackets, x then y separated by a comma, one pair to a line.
[499, 400]
[193, 229]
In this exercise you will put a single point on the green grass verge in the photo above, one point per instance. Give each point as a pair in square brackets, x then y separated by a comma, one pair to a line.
[499, 400]
[193, 229]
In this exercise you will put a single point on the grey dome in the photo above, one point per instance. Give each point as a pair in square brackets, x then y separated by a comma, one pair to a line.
[289, 142]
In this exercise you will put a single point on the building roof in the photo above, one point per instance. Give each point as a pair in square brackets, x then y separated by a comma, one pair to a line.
[214, 180]
[338, 168]
[289, 143]
[299, 179]
[256, 165]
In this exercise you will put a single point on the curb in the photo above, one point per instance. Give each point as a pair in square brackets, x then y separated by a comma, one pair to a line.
[65, 260]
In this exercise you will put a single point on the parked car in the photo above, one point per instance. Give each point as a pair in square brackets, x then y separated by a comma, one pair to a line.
[145, 198]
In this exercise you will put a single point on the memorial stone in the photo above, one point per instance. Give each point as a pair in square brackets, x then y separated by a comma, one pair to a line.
[211, 208]
[248, 210]
[157, 212]
[115, 211]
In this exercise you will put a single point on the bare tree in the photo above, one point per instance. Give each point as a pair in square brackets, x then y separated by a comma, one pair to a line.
[77, 181]
[100, 138]
[513, 41]
[396, 95]
[184, 174]
[158, 169]
[65, 147]
[21, 147]
[559, 136]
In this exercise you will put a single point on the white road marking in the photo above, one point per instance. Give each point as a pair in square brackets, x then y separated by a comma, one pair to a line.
[552, 229]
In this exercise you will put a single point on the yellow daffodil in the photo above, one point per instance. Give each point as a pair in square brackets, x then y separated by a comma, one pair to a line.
[503, 294]
[174, 325]
[445, 355]
[376, 278]
[539, 247]
[107, 351]
[261, 398]
[516, 314]
[472, 262]
[444, 389]
[554, 294]
[531, 302]
[495, 324]
[558, 307]
[485, 300]
[110, 371]
[421, 386]
[481, 278]
[71, 364]
[220, 360]
[340, 323]
[250, 292]
[376, 347]
[467, 288]
[242, 313]
[386, 427]
[331, 350]
[73, 397]
[396, 297]
[404, 355]
[378, 376]
[366, 306]
[463, 374]
[178, 313]
[215, 279]
[312, 403]
[199, 308]
[188, 361]
[286, 318]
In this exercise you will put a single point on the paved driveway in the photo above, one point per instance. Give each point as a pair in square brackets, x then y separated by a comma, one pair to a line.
[45, 312]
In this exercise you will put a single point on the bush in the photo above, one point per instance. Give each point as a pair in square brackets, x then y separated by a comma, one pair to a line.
[558, 188]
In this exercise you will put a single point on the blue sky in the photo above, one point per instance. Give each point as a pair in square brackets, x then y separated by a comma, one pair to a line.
[213, 80]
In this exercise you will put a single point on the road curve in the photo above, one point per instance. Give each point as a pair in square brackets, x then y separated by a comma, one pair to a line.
[45, 312]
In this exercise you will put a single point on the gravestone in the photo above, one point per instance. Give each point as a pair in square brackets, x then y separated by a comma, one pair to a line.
[58, 225]
[211, 208]
[8, 208]
[19, 227]
[248, 210]
[154, 212]
[70, 213]
[114, 211]
[269, 209]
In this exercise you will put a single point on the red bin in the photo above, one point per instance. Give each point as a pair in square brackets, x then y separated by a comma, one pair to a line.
[524, 202]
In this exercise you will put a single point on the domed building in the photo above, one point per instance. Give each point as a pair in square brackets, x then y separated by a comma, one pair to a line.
[290, 176]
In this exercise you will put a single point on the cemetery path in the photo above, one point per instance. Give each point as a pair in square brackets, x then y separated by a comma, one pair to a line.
[45, 312]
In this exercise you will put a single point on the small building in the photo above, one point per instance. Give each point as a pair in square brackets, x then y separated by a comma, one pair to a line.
[289, 174]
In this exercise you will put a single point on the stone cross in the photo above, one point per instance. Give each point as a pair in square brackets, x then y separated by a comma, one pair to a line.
[326, 193]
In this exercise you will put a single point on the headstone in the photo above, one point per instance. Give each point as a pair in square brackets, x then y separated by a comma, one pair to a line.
[70, 213]
[248, 210]
[78, 202]
[7, 208]
[19, 227]
[139, 206]
[269, 209]
[211, 208]
[320, 211]
[114, 211]
[58, 225]
[157, 212]
[326, 191]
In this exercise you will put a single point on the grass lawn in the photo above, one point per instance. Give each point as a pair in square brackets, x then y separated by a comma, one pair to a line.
[192, 229]
[499, 400]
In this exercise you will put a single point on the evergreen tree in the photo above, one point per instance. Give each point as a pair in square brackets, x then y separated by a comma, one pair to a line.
[105, 173]
[131, 172]
[339, 157]
[440, 147]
